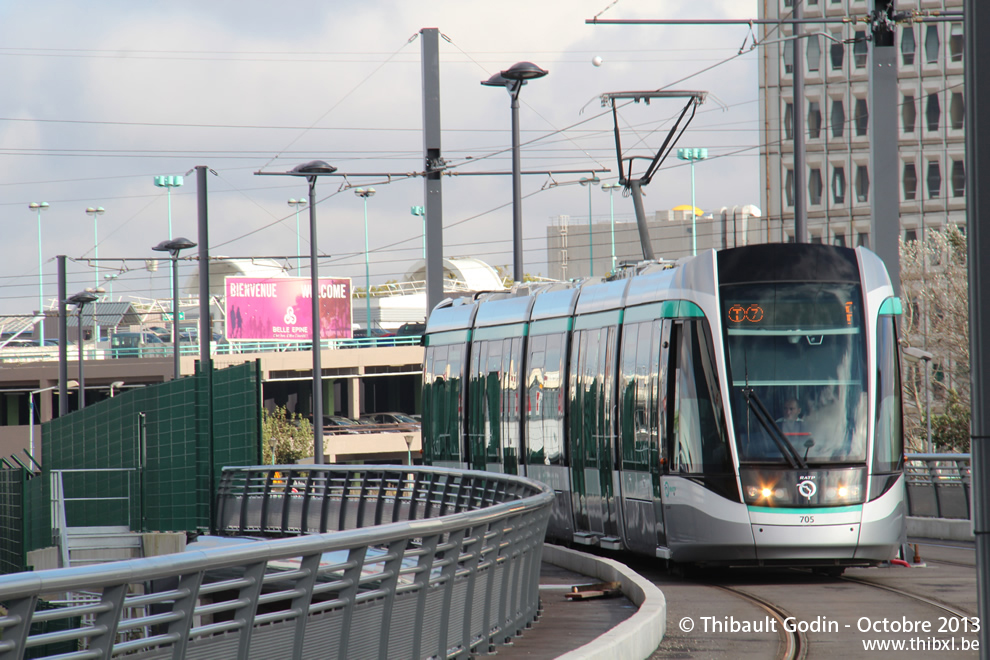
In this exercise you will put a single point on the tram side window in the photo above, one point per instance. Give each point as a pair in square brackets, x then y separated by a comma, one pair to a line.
[699, 435]
[888, 450]
[640, 363]
[535, 383]
[511, 358]
[553, 400]
[492, 393]
[628, 417]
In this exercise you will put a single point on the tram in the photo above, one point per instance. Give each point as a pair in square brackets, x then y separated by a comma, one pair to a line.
[740, 407]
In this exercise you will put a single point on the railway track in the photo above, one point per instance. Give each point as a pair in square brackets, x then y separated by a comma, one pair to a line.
[793, 644]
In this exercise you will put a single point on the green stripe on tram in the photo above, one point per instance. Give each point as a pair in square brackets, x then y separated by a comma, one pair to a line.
[451, 337]
[891, 307]
[853, 508]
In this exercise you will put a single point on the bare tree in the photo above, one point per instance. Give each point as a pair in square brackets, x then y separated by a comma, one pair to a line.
[934, 290]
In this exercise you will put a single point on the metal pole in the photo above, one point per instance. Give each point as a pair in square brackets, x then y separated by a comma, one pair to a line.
[591, 238]
[928, 406]
[31, 421]
[314, 278]
[63, 344]
[205, 332]
[367, 273]
[433, 166]
[517, 252]
[171, 274]
[977, 85]
[41, 294]
[175, 315]
[800, 212]
[82, 378]
[694, 216]
[298, 245]
[611, 216]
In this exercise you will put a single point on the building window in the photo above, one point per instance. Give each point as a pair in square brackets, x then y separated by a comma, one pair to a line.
[863, 238]
[814, 52]
[839, 185]
[862, 117]
[957, 111]
[932, 44]
[837, 118]
[907, 46]
[956, 42]
[789, 57]
[910, 181]
[837, 53]
[789, 121]
[860, 49]
[814, 120]
[958, 178]
[839, 239]
[815, 186]
[789, 187]
[933, 112]
[910, 235]
[816, 239]
[934, 179]
[862, 183]
[909, 113]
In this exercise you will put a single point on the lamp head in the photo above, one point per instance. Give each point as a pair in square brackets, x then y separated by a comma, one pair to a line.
[81, 298]
[95, 211]
[524, 71]
[365, 192]
[590, 181]
[314, 167]
[38, 206]
[173, 246]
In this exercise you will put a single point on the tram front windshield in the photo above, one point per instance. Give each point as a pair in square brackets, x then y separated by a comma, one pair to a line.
[797, 368]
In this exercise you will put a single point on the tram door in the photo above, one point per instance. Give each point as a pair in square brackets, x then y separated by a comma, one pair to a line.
[591, 435]
[641, 433]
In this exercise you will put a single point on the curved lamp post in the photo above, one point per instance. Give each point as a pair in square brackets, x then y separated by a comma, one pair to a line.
[513, 79]
[590, 181]
[611, 188]
[39, 207]
[364, 194]
[79, 300]
[173, 247]
[296, 203]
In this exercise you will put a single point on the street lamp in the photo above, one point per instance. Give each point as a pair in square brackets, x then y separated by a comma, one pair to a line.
[693, 155]
[296, 203]
[79, 300]
[169, 182]
[590, 181]
[95, 212]
[312, 171]
[365, 193]
[117, 384]
[611, 188]
[173, 247]
[39, 207]
[421, 212]
[912, 354]
[69, 385]
[513, 79]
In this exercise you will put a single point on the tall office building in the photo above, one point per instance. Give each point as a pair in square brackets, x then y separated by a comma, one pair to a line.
[835, 106]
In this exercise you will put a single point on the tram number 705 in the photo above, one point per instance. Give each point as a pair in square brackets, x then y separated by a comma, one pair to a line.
[807, 520]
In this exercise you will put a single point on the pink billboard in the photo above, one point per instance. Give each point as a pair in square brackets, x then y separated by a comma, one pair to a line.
[279, 308]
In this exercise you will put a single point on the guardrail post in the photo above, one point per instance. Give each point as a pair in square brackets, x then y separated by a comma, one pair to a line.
[108, 620]
[447, 578]
[352, 577]
[22, 611]
[185, 605]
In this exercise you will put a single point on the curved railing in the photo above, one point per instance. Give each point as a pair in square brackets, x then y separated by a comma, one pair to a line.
[938, 485]
[414, 562]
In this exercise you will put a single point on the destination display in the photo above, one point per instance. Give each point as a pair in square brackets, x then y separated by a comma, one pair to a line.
[280, 308]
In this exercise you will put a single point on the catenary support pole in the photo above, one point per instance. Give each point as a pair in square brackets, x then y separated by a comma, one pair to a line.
[433, 189]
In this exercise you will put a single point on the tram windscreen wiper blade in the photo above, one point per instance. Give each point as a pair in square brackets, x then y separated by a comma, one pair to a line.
[764, 417]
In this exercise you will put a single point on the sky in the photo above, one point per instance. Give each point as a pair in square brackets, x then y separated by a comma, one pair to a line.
[99, 98]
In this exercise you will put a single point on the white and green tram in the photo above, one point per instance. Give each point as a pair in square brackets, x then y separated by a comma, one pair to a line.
[653, 401]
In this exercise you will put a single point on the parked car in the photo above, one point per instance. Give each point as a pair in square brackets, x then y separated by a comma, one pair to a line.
[411, 330]
[137, 344]
[341, 424]
[390, 418]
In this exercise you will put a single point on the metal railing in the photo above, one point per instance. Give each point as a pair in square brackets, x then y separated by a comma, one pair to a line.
[938, 485]
[388, 561]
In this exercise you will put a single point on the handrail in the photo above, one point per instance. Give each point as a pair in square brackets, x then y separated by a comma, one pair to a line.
[454, 574]
[938, 485]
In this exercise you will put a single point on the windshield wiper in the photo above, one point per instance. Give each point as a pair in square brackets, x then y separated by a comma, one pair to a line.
[778, 437]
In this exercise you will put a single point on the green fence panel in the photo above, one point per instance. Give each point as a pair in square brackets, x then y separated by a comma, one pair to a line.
[12, 520]
[166, 444]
